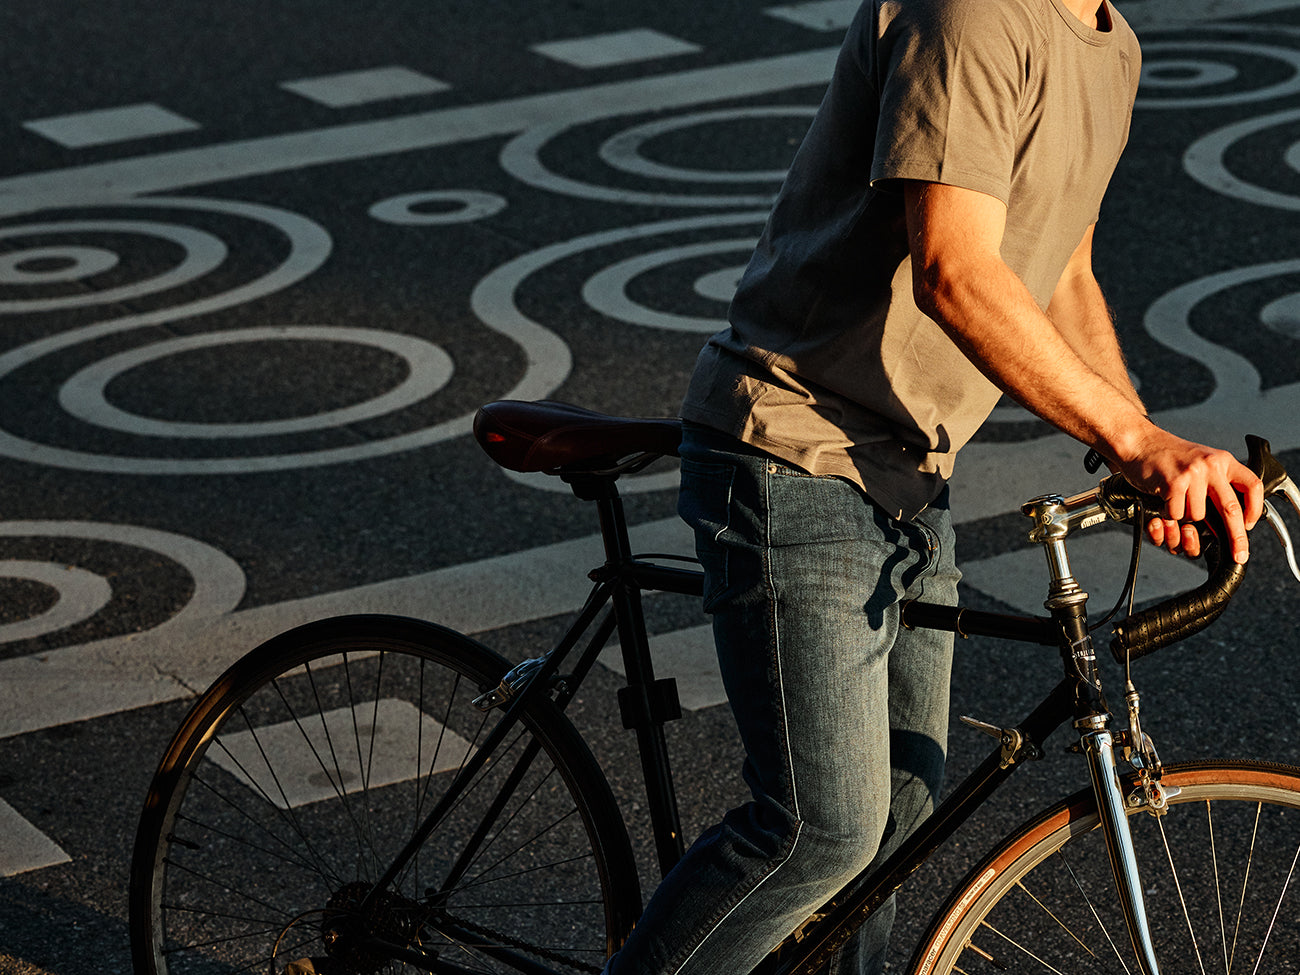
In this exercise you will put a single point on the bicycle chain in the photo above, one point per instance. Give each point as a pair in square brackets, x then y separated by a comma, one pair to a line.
[544, 953]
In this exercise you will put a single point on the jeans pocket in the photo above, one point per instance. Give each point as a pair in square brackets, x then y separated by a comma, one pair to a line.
[704, 503]
[781, 469]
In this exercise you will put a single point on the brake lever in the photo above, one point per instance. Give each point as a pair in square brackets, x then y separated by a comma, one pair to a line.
[1289, 491]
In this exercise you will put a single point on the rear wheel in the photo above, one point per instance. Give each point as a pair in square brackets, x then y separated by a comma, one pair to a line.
[1219, 874]
[299, 776]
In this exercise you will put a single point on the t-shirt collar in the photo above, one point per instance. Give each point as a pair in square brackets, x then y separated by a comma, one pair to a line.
[1086, 33]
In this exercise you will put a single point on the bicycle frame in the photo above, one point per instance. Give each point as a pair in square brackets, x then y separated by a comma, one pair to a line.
[1077, 696]
[647, 704]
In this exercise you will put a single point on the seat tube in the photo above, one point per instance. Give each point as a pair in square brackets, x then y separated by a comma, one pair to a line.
[1099, 751]
[643, 711]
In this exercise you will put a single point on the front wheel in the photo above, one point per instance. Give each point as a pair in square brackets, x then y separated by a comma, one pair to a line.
[1219, 876]
[298, 777]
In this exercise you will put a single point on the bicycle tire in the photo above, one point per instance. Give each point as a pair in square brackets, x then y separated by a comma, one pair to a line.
[300, 773]
[1219, 872]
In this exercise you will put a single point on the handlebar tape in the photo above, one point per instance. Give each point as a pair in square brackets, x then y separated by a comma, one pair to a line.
[1178, 618]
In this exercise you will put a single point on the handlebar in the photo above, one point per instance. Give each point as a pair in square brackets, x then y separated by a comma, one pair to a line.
[1183, 615]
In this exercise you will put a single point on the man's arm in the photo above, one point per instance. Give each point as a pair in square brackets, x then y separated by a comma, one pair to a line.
[1066, 373]
[1080, 313]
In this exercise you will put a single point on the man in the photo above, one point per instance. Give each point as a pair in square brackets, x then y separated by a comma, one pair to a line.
[930, 250]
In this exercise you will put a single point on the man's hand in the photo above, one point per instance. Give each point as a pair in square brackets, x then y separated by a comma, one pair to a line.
[1190, 476]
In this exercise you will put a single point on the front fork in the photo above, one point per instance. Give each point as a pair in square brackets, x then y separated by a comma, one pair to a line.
[1099, 752]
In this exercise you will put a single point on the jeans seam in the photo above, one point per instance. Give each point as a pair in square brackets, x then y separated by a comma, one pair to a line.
[771, 871]
[785, 734]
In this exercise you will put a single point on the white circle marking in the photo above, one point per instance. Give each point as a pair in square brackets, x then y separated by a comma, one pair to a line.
[71, 264]
[471, 205]
[606, 291]
[203, 253]
[83, 396]
[81, 594]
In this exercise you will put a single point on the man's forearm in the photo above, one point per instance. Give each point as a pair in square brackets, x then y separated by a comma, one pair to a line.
[993, 318]
[1080, 313]
[960, 280]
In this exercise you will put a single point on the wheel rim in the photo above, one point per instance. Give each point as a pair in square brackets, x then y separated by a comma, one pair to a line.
[242, 880]
[1220, 877]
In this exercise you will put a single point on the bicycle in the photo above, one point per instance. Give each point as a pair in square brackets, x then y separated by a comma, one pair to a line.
[368, 794]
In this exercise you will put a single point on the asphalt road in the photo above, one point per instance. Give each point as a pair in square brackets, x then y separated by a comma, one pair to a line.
[259, 264]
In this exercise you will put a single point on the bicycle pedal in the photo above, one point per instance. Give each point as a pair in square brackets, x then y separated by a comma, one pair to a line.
[1015, 747]
[991, 730]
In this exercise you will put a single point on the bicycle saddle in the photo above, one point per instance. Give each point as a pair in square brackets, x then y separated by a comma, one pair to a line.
[557, 437]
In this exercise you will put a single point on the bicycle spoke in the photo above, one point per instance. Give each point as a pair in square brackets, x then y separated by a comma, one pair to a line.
[286, 816]
[314, 862]
[1286, 883]
[293, 861]
[1048, 911]
[337, 780]
[500, 860]
[365, 845]
[473, 847]
[1245, 881]
[1191, 932]
[1093, 910]
[374, 724]
[523, 873]
[242, 892]
[1218, 893]
[1019, 947]
[1036, 897]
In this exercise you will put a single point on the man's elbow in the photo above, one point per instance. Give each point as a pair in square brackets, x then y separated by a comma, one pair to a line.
[936, 287]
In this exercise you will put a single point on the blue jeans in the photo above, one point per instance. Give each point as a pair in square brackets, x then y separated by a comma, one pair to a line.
[843, 713]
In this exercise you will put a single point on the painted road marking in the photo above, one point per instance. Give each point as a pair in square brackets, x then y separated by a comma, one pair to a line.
[79, 595]
[621, 47]
[818, 15]
[222, 162]
[178, 657]
[836, 14]
[350, 88]
[108, 125]
[828, 15]
[25, 847]
[1177, 13]
[318, 755]
[686, 656]
[185, 654]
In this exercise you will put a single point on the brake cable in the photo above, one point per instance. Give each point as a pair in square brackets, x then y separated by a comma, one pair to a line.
[1129, 591]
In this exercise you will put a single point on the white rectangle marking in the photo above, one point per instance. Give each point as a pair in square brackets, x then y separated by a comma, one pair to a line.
[350, 88]
[1099, 562]
[818, 15]
[109, 125]
[170, 171]
[687, 656]
[370, 745]
[23, 847]
[623, 47]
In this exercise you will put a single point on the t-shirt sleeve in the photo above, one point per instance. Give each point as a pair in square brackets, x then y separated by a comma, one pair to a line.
[951, 77]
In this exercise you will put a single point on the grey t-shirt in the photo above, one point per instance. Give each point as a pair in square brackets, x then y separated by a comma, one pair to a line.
[828, 363]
